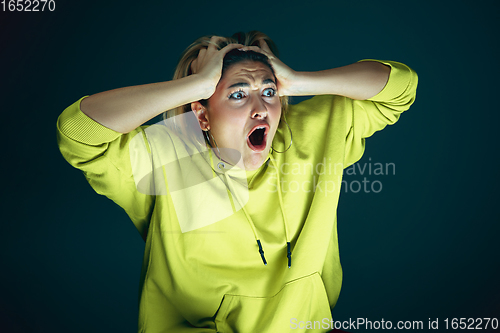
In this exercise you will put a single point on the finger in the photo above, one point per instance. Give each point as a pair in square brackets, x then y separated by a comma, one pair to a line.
[213, 43]
[196, 63]
[270, 55]
[264, 46]
[230, 47]
[201, 54]
[249, 47]
[194, 66]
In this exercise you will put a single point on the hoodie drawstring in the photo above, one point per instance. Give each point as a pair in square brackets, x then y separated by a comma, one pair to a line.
[285, 221]
[249, 219]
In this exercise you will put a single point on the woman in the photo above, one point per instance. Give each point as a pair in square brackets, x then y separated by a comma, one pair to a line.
[236, 201]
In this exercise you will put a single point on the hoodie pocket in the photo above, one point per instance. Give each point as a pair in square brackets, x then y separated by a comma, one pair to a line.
[300, 300]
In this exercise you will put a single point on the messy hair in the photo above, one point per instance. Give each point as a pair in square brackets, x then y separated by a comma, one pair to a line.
[251, 38]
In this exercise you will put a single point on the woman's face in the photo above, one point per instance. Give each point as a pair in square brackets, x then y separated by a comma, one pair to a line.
[244, 112]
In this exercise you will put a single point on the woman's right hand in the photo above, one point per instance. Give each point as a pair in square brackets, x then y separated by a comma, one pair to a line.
[208, 64]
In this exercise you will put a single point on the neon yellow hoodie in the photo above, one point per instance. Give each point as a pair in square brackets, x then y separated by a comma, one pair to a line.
[203, 269]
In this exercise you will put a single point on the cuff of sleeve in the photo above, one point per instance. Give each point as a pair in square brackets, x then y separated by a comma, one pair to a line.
[398, 82]
[76, 125]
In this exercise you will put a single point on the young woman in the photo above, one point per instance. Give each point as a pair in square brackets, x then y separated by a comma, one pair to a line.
[235, 192]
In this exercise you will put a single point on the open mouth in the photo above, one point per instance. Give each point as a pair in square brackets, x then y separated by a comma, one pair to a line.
[257, 138]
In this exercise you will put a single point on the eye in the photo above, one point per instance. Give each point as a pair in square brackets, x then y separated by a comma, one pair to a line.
[269, 92]
[237, 94]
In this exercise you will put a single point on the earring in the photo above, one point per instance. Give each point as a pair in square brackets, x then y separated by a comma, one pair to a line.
[207, 132]
[291, 137]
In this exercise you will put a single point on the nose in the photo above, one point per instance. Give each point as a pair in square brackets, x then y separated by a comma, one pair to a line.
[259, 109]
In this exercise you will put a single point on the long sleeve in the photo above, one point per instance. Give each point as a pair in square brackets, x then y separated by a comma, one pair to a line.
[336, 126]
[371, 115]
[103, 156]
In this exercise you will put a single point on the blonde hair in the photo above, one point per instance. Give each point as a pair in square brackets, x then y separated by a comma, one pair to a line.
[183, 68]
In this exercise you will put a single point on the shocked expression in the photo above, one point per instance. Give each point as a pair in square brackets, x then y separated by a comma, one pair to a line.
[244, 112]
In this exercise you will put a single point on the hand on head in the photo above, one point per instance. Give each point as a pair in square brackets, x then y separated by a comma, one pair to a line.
[209, 62]
[284, 74]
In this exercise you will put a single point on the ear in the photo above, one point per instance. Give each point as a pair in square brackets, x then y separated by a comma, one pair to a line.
[201, 113]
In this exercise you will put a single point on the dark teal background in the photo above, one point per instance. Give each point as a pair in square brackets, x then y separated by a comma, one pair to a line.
[425, 247]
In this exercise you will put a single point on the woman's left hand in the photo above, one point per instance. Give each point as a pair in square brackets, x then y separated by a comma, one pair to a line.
[285, 75]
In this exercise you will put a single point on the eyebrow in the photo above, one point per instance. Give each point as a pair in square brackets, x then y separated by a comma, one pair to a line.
[244, 84]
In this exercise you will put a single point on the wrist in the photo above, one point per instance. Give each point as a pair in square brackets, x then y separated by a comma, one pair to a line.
[202, 88]
[302, 84]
